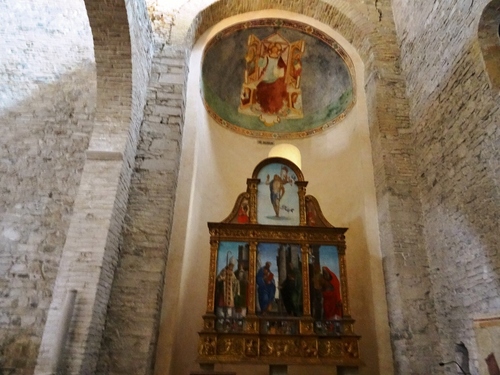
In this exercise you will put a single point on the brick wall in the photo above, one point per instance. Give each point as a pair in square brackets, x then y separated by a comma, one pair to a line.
[129, 340]
[456, 117]
[120, 32]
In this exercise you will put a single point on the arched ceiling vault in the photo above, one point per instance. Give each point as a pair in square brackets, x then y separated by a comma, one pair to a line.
[340, 15]
[488, 36]
[113, 56]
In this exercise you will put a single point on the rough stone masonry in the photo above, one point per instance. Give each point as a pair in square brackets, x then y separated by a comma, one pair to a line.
[88, 154]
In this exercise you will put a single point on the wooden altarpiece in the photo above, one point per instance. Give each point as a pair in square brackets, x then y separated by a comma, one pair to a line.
[277, 288]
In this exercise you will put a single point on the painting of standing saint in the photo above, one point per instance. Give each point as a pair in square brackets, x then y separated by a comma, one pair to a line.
[326, 293]
[231, 286]
[278, 200]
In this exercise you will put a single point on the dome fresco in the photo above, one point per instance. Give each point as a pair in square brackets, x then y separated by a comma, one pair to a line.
[274, 78]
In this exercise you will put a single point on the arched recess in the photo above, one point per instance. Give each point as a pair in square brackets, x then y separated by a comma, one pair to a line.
[371, 31]
[120, 32]
[355, 26]
[113, 55]
[489, 40]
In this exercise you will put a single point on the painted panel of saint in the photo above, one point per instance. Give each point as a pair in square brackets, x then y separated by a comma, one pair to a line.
[231, 286]
[324, 274]
[279, 280]
[242, 215]
[277, 199]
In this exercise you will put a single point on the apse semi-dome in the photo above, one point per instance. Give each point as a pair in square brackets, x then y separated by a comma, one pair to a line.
[276, 78]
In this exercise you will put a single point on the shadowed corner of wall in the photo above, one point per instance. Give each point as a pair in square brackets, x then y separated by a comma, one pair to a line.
[488, 33]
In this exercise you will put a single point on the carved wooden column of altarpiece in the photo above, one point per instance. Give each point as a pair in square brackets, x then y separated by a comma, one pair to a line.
[277, 290]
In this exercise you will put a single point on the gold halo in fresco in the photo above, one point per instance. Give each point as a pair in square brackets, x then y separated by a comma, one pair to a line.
[276, 78]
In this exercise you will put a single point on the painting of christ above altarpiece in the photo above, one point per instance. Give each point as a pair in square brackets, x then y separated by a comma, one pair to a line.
[276, 78]
[271, 88]
[277, 288]
[278, 199]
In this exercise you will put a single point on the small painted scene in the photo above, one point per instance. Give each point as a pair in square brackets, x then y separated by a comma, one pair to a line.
[231, 286]
[277, 197]
[326, 294]
[312, 216]
[279, 280]
[243, 212]
[275, 78]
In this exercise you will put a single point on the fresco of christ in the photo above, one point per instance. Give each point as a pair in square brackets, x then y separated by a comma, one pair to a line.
[271, 90]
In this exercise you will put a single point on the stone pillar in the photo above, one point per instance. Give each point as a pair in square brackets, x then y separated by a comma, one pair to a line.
[87, 266]
[62, 332]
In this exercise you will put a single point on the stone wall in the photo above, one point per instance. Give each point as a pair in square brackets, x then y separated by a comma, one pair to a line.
[121, 34]
[47, 110]
[65, 190]
[437, 153]
[455, 116]
[411, 309]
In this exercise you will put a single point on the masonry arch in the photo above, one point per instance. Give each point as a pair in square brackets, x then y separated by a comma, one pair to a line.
[358, 35]
[121, 32]
[113, 56]
[351, 22]
[121, 84]
[489, 40]
[371, 30]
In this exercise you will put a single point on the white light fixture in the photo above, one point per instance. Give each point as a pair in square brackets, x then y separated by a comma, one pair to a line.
[287, 151]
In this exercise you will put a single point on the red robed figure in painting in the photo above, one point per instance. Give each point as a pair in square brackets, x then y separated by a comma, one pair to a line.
[330, 288]
[271, 91]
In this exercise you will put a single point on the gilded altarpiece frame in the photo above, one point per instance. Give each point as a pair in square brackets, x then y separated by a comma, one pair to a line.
[277, 293]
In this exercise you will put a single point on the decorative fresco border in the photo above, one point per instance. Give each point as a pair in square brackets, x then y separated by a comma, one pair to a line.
[304, 28]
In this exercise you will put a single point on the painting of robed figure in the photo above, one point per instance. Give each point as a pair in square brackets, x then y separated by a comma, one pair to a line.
[279, 280]
[231, 288]
[276, 78]
[325, 286]
[271, 88]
